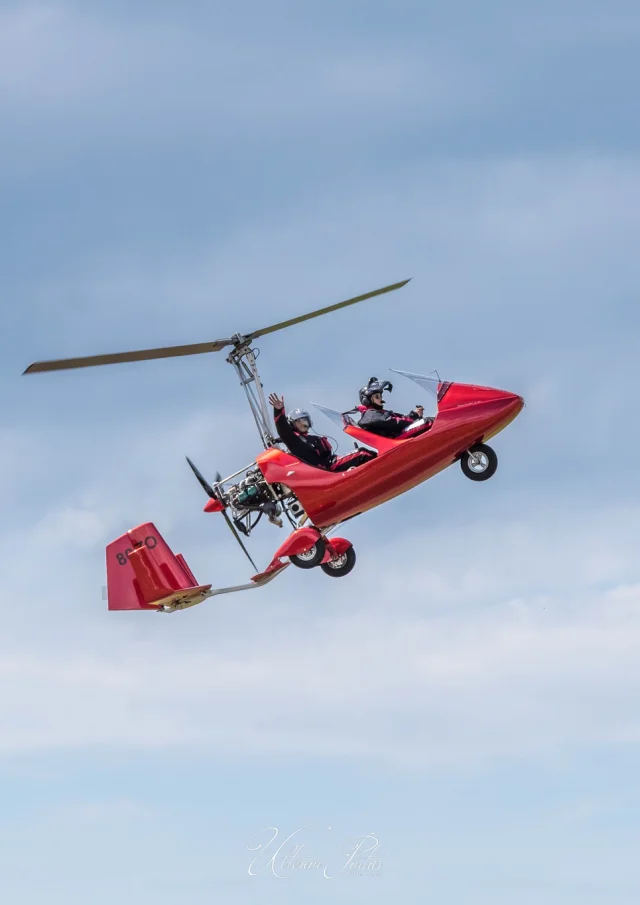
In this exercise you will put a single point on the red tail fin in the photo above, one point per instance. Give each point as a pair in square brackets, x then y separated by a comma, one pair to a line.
[144, 574]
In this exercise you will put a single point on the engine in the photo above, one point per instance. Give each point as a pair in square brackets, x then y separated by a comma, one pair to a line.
[253, 495]
[250, 493]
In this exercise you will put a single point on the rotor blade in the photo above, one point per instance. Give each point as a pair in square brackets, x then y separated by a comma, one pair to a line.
[237, 537]
[63, 364]
[90, 361]
[208, 489]
[306, 317]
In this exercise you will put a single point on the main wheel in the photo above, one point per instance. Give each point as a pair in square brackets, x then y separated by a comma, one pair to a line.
[312, 557]
[340, 566]
[479, 463]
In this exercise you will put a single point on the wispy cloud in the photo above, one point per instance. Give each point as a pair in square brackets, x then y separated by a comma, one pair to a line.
[475, 652]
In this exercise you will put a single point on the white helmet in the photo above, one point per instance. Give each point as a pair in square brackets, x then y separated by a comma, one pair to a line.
[298, 414]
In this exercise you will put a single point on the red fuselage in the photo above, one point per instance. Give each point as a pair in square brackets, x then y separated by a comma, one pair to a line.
[466, 415]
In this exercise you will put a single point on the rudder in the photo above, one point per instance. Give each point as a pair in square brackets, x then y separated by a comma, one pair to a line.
[143, 573]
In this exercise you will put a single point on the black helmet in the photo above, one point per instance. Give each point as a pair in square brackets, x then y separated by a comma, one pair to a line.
[374, 386]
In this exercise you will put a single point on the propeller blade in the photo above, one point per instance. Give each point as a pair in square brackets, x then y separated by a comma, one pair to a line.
[63, 364]
[237, 537]
[208, 489]
[306, 317]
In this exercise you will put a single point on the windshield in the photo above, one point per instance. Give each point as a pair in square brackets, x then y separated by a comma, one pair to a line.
[432, 384]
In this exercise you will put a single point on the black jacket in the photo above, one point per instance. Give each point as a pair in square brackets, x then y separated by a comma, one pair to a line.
[385, 423]
[308, 448]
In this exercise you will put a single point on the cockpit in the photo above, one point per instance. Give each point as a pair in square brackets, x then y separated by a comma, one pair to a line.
[348, 421]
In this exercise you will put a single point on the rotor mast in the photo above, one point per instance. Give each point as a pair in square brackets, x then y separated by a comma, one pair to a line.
[243, 360]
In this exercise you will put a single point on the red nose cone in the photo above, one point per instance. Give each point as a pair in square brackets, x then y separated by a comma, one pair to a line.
[511, 402]
[503, 411]
[462, 394]
[514, 402]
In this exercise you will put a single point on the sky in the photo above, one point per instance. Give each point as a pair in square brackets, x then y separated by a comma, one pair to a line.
[464, 705]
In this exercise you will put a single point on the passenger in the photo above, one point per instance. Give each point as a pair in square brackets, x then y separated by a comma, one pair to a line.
[293, 430]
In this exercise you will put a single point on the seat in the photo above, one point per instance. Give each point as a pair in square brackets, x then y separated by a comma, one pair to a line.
[381, 444]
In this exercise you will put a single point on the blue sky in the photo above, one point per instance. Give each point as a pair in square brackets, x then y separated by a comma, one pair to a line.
[469, 694]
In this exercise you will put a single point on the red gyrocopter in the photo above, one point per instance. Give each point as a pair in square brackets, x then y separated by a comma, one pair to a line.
[144, 574]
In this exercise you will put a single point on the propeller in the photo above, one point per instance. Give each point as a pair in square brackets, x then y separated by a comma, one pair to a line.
[208, 489]
[63, 364]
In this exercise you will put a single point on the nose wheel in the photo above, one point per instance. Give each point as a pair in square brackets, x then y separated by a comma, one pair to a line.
[479, 463]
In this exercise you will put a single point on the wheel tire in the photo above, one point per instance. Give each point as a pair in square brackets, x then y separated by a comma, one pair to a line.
[342, 565]
[488, 463]
[312, 557]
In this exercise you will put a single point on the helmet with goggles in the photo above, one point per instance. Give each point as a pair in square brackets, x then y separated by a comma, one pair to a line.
[374, 386]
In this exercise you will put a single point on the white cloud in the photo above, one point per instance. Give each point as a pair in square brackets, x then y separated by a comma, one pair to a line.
[515, 640]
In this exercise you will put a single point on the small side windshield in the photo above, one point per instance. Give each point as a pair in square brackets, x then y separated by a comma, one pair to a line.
[334, 416]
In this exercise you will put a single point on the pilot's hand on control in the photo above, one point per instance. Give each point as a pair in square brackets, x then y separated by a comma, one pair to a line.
[276, 402]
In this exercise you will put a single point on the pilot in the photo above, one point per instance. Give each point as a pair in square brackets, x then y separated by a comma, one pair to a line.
[378, 420]
[293, 430]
